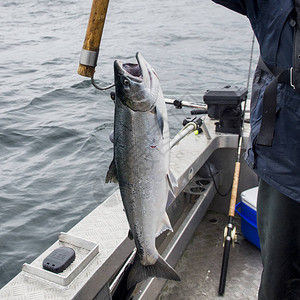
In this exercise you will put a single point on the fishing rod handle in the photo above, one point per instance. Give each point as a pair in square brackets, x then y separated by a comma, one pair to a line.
[235, 185]
[90, 49]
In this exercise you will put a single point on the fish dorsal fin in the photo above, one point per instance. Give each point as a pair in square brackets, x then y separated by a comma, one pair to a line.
[111, 173]
[165, 225]
[160, 120]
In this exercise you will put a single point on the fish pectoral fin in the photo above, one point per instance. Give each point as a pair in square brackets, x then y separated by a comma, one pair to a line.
[160, 120]
[160, 269]
[111, 174]
[165, 225]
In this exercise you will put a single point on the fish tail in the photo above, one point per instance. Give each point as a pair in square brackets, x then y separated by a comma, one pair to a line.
[160, 269]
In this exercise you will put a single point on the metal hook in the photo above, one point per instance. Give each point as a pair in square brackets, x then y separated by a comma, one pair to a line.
[101, 88]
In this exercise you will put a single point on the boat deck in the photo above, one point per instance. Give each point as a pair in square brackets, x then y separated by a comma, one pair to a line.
[200, 265]
[103, 236]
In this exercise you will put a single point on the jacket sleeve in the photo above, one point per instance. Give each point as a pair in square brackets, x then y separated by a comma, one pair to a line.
[236, 5]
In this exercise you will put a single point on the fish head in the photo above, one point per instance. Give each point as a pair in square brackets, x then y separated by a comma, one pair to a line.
[137, 85]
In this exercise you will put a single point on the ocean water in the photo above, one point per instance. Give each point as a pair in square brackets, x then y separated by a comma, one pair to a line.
[54, 125]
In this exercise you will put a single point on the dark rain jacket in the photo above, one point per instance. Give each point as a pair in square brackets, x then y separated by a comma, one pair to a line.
[278, 165]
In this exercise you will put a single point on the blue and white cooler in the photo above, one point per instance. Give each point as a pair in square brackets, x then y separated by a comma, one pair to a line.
[247, 210]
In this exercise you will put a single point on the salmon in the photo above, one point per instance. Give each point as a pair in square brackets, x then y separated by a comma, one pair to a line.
[141, 164]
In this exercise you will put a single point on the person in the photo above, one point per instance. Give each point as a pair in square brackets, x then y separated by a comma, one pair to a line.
[274, 148]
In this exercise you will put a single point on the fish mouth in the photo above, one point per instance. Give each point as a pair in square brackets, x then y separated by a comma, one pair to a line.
[135, 72]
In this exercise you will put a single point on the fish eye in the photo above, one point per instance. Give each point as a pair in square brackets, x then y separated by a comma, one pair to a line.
[126, 82]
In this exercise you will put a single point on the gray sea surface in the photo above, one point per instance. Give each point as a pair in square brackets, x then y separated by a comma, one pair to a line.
[54, 125]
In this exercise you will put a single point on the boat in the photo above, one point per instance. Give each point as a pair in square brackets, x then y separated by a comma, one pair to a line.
[203, 165]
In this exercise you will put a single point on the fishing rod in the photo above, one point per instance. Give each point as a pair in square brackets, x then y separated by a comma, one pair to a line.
[230, 230]
[201, 108]
[182, 103]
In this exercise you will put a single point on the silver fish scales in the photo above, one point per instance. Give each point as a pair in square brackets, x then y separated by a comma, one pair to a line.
[141, 164]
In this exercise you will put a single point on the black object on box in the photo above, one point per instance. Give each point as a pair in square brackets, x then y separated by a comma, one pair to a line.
[225, 104]
[59, 259]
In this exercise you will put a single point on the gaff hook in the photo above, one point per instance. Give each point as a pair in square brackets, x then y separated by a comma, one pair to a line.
[101, 88]
[88, 61]
[90, 50]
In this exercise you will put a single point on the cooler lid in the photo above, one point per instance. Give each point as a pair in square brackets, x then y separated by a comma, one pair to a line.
[249, 197]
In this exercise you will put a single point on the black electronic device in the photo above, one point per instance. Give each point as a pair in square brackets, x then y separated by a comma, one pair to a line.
[225, 105]
[59, 259]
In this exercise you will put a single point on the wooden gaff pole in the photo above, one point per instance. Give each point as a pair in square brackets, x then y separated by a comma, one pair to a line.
[90, 49]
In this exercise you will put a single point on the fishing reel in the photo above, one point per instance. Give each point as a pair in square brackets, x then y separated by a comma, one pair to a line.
[233, 236]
